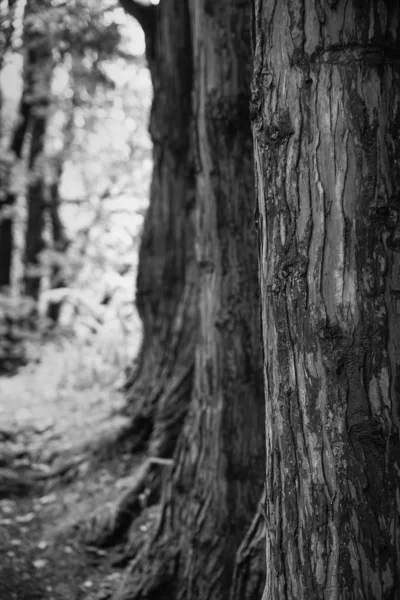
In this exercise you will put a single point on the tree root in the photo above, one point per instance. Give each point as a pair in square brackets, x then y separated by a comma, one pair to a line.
[108, 521]
[73, 463]
[112, 521]
[21, 482]
[152, 575]
[249, 575]
[141, 532]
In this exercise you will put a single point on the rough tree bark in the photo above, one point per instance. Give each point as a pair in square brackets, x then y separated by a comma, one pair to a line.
[160, 388]
[211, 495]
[59, 236]
[326, 124]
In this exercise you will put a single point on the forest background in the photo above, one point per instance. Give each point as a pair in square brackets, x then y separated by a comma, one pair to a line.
[257, 451]
[79, 334]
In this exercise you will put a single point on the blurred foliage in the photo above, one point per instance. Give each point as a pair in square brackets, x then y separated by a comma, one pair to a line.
[100, 131]
[97, 161]
[8, 15]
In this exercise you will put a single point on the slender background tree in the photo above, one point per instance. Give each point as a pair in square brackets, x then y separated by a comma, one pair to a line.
[35, 113]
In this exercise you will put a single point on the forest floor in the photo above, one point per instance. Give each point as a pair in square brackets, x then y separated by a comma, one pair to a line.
[62, 456]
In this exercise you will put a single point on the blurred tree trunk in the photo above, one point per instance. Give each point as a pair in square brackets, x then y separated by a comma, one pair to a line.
[326, 123]
[38, 69]
[211, 497]
[10, 193]
[59, 237]
[7, 27]
[218, 478]
[166, 295]
[6, 237]
[7, 198]
[7, 30]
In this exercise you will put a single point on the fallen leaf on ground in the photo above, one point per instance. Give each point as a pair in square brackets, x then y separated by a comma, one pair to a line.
[15, 542]
[25, 518]
[48, 499]
[40, 563]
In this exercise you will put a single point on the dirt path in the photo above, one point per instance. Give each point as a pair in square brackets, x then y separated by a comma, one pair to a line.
[59, 420]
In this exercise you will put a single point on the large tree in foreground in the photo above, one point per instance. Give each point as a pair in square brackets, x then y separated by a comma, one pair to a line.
[202, 199]
[326, 123]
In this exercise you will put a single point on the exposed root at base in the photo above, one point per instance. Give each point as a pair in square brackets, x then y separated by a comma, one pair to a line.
[152, 575]
[113, 520]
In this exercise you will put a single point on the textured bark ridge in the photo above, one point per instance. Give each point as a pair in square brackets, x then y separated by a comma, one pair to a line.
[218, 477]
[210, 495]
[326, 124]
[248, 579]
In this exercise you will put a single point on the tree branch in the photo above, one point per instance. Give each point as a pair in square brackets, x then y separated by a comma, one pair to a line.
[143, 13]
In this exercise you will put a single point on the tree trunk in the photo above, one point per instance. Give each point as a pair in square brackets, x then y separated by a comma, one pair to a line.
[36, 204]
[248, 579]
[6, 237]
[217, 481]
[159, 392]
[60, 242]
[166, 295]
[326, 125]
[211, 496]
[38, 73]
[9, 197]
[59, 236]
[7, 192]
